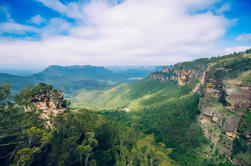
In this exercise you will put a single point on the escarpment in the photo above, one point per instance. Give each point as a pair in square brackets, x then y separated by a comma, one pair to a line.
[47, 101]
[50, 102]
[224, 86]
[182, 76]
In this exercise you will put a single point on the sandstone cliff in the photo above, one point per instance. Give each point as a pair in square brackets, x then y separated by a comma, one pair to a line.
[224, 86]
[182, 76]
[49, 102]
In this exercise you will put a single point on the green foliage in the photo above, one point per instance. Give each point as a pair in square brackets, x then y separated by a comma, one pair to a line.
[4, 91]
[24, 96]
[238, 146]
[41, 88]
[149, 122]
[24, 156]
[198, 64]
[68, 79]
[245, 78]
[245, 156]
[87, 137]
[246, 123]
[170, 114]
[248, 51]
[22, 134]
[132, 95]
[248, 118]
[221, 67]
[144, 87]
[87, 146]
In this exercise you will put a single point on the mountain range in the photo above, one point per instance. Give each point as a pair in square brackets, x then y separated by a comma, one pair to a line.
[72, 78]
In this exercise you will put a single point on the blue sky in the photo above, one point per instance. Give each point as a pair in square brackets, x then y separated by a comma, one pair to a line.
[38, 33]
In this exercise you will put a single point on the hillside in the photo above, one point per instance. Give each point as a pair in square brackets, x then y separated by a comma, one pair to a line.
[41, 130]
[224, 86]
[134, 71]
[193, 113]
[17, 82]
[128, 96]
[209, 98]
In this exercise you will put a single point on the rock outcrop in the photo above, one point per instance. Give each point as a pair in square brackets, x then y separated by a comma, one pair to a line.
[231, 124]
[237, 95]
[183, 76]
[47, 101]
[51, 103]
[224, 97]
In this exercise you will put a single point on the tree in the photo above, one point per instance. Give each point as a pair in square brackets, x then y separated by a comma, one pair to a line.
[148, 152]
[25, 156]
[21, 132]
[87, 146]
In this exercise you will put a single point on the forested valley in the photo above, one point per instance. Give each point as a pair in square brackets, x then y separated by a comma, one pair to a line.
[176, 116]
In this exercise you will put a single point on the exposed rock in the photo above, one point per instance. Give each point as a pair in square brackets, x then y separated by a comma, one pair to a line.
[213, 89]
[215, 119]
[225, 96]
[50, 102]
[209, 110]
[238, 96]
[231, 124]
[231, 134]
[183, 77]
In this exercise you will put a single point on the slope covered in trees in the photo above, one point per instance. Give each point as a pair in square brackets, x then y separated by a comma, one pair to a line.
[75, 138]
[148, 122]
[205, 120]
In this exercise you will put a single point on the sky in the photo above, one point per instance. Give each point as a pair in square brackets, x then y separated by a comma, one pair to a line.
[38, 33]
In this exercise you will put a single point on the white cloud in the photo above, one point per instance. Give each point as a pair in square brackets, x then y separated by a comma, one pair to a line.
[12, 27]
[244, 38]
[37, 19]
[71, 9]
[4, 10]
[225, 7]
[131, 33]
[231, 50]
[56, 26]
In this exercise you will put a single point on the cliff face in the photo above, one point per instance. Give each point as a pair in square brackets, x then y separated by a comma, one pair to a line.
[224, 86]
[230, 92]
[182, 76]
[51, 103]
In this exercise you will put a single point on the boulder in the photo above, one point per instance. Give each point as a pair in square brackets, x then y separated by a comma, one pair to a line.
[231, 124]
[238, 96]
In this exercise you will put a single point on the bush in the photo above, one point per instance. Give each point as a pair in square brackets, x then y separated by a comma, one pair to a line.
[238, 146]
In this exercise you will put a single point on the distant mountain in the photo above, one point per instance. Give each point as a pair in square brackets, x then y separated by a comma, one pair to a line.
[19, 72]
[17, 82]
[78, 73]
[72, 78]
[134, 71]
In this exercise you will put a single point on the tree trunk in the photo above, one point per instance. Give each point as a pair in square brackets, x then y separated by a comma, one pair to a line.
[86, 160]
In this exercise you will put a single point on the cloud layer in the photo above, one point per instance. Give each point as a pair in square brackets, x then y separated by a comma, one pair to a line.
[135, 32]
[244, 37]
